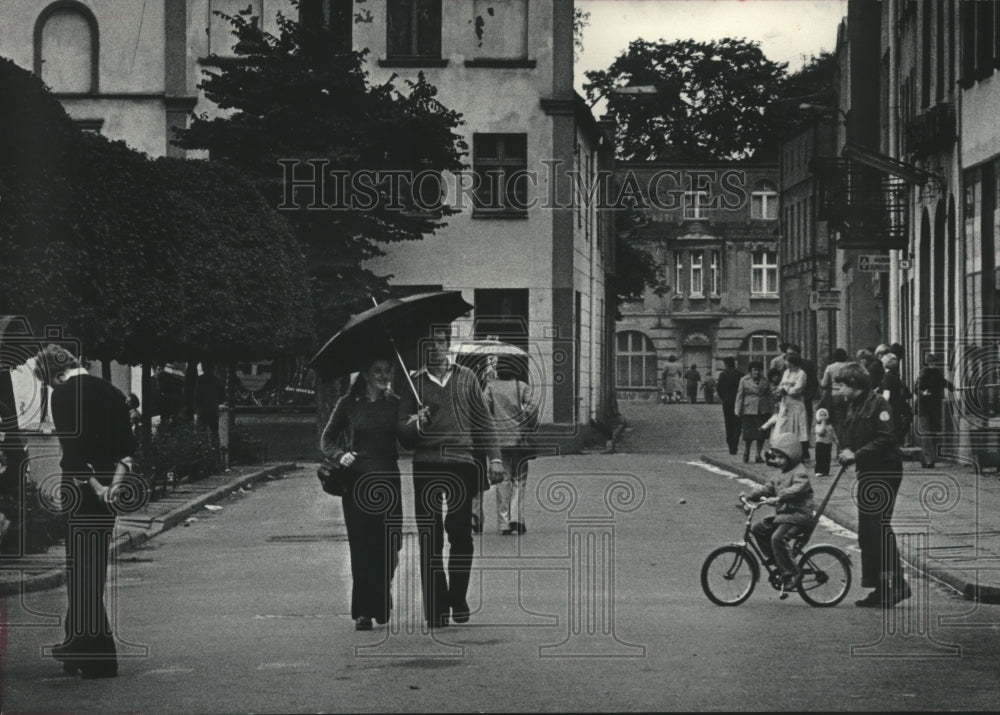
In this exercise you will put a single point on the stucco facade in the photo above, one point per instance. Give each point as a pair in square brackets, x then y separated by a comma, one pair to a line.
[130, 69]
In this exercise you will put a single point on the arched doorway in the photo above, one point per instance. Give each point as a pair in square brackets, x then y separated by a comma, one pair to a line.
[940, 271]
[924, 286]
[953, 273]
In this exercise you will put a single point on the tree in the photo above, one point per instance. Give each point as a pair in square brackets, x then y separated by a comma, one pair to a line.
[142, 261]
[708, 101]
[814, 83]
[301, 96]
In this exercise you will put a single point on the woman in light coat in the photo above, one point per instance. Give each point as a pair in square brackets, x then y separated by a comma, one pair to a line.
[792, 418]
[753, 406]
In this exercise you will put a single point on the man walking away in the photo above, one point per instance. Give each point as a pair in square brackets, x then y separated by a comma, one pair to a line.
[692, 377]
[729, 385]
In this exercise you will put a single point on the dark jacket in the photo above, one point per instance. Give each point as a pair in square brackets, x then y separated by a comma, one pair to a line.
[868, 431]
[931, 384]
[729, 384]
[91, 416]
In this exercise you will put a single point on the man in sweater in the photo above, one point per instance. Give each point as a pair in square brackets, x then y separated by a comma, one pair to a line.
[452, 431]
[91, 418]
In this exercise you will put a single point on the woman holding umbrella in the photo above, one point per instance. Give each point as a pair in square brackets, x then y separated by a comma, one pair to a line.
[361, 437]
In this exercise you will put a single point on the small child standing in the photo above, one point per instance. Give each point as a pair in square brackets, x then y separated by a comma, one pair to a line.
[791, 494]
[826, 437]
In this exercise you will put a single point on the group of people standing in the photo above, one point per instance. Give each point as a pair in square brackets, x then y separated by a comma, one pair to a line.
[864, 410]
[465, 434]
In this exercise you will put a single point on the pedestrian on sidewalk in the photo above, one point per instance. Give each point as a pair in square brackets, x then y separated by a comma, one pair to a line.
[791, 493]
[826, 438]
[708, 387]
[869, 443]
[752, 407]
[447, 438]
[361, 437]
[692, 377]
[514, 413]
[91, 418]
[208, 395]
[898, 397]
[729, 386]
[672, 376]
[792, 416]
[930, 387]
[836, 408]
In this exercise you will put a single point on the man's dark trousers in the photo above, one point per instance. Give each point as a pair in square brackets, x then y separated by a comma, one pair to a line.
[733, 425]
[454, 484]
[90, 528]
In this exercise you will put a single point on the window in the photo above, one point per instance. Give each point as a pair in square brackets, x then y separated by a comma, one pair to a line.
[66, 48]
[697, 272]
[414, 29]
[636, 365]
[762, 347]
[678, 270]
[337, 16]
[764, 201]
[695, 204]
[500, 162]
[713, 275]
[764, 273]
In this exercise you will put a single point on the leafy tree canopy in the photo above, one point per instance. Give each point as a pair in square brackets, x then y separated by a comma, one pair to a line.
[708, 99]
[814, 83]
[142, 261]
[300, 95]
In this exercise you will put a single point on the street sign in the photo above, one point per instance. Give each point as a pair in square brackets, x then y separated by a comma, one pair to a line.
[873, 263]
[824, 300]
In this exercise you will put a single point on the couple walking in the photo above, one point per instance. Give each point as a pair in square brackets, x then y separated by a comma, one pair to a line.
[449, 431]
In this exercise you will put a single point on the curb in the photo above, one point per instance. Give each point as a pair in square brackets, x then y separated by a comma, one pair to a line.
[848, 520]
[131, 541]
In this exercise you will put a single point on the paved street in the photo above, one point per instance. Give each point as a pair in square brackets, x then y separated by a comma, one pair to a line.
[246, 610]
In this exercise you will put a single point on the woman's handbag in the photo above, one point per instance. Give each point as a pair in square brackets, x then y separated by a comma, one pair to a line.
[334, 477]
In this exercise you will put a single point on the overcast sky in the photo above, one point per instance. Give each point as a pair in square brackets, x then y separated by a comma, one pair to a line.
[788, 30]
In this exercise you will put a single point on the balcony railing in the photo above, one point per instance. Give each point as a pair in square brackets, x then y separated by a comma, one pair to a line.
[932, 131]
[865, 205]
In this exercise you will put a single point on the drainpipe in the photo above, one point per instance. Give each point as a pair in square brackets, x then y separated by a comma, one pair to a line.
[893, 297]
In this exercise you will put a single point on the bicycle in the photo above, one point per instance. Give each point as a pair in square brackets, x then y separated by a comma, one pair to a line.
[730, 573]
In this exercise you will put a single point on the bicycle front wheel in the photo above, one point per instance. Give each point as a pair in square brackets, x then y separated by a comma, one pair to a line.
[826, 576]
[729, 575]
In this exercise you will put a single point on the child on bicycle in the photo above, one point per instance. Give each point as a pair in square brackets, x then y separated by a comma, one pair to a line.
[791, 493]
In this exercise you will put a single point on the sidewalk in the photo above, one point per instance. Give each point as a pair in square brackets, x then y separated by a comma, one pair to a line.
[42, 571]
[947, 519]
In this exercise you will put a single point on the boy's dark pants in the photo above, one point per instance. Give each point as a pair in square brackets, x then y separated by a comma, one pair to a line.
[823, 452]
[773, 540]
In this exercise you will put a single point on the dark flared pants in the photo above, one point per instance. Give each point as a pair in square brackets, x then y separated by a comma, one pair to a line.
[734, 425]
[880, 563]
[442, 494]
[90, 528]
[373, 512]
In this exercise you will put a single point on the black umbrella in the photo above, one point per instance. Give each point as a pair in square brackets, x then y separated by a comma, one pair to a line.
[395, 323]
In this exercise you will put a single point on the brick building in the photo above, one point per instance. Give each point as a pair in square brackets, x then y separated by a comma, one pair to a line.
[713, 228]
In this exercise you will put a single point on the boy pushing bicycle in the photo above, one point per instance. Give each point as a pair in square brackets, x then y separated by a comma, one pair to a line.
[791, 493]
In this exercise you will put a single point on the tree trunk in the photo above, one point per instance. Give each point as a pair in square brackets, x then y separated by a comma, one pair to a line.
[190, 377]
[146, 426]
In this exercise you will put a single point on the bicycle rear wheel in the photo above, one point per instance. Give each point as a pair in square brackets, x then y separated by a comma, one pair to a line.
[729, 575]
[826, 576]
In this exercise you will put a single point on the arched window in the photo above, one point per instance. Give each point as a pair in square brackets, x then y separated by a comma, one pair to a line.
[636, 360]
[67, 48]
[762, 346]
[764, 201]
